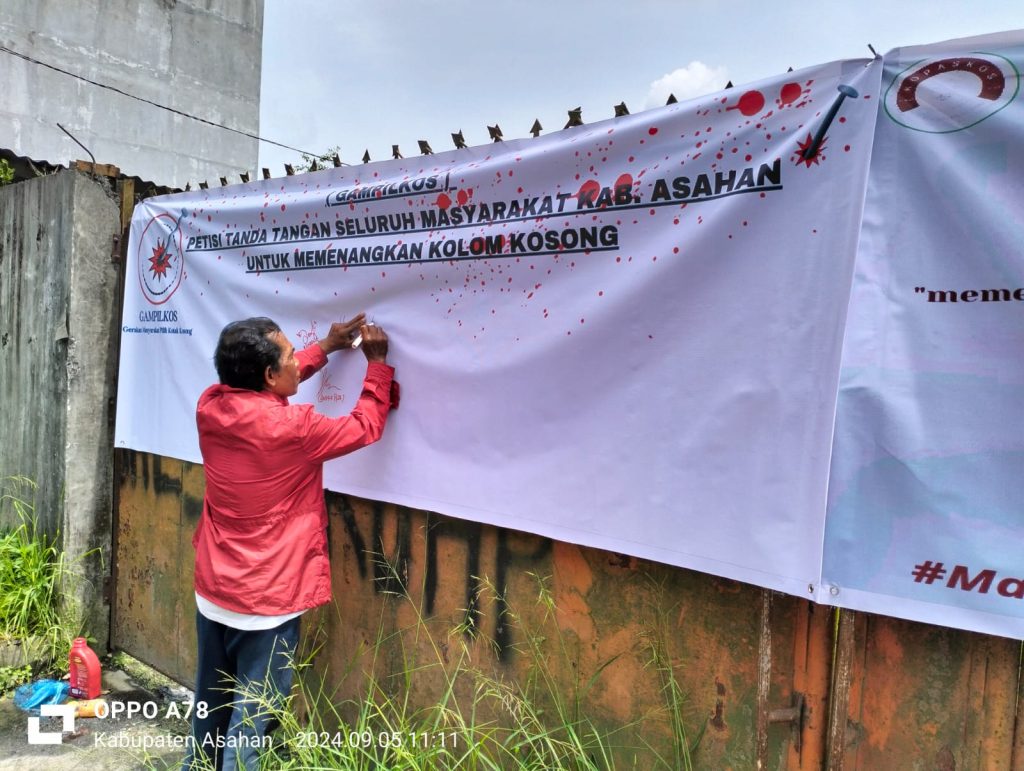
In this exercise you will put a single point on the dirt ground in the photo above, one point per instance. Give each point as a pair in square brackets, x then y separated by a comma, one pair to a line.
[145, 729]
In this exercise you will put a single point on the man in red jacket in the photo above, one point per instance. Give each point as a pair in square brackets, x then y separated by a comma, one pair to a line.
[261, 543]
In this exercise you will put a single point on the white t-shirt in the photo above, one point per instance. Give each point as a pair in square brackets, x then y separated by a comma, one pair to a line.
[246, 621]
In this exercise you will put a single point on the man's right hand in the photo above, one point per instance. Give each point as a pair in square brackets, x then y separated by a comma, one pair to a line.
[375, 343]
[341, 334]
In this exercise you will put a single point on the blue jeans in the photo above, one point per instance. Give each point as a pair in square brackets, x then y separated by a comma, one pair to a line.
[258, 661]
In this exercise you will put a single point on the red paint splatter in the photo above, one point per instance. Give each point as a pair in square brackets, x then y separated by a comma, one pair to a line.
[443, 201]
[589, 189]
[652, 130]
[751, 103]
[790, 93]
[462, 197]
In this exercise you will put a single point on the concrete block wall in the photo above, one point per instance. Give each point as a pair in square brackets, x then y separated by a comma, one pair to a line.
[201, 57]
[58, 288]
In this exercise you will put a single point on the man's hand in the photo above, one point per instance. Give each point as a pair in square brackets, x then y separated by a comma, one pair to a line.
[342, 334]
[375, 343]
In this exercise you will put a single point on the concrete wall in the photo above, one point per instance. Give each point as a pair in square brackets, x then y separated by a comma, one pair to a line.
[57, 306]
[202, 57]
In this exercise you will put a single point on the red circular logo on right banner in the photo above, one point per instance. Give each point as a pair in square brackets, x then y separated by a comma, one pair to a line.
[939, 96]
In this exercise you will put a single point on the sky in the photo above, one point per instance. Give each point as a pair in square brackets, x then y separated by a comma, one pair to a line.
[364, 75]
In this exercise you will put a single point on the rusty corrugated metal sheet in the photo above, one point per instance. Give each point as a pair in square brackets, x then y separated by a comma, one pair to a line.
[757, 667]
[154, 609]
[925, 697]
[608, 609]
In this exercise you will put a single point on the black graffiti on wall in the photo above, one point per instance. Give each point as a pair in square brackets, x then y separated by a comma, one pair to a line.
[385, 562]
[140, 469]
[147, 469]
[508, 559]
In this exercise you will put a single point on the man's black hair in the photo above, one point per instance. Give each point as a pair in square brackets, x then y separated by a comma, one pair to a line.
[245, 350]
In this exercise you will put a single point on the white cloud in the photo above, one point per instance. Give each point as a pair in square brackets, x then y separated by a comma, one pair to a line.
[695, 79]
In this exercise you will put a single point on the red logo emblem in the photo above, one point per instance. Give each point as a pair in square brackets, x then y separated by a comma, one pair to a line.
[161, 258]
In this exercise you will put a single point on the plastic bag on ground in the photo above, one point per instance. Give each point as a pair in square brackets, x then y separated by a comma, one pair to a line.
[31, 696]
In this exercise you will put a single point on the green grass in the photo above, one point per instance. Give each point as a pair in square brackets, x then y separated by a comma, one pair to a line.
[656, 644]
[477, 720]
[32, 572]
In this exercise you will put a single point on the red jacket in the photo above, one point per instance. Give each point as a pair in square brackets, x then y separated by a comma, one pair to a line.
[261, 543]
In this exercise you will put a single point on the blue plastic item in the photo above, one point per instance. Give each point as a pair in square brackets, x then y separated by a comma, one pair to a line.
[31, 696]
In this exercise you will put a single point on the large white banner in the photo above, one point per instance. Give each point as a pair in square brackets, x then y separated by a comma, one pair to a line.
[925, 516]
[625, 335]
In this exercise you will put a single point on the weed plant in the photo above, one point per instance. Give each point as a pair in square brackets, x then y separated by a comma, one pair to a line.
[32, 572]
[656, 644]
[478, 720]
